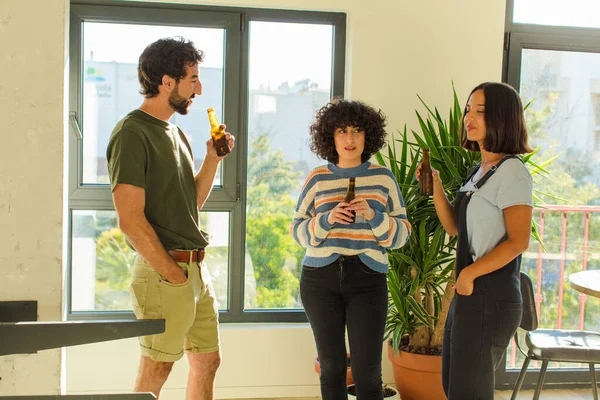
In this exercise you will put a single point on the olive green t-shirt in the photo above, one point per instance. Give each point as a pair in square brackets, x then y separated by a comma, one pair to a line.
[147, 152]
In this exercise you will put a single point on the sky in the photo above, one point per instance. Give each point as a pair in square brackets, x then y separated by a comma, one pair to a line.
[279, 52]
[581, 13]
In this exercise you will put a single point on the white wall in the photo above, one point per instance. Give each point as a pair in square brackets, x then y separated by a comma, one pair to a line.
[395, 49]
[259, 360]
[32, 71]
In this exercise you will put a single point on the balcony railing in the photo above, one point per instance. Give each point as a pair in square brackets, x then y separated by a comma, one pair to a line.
[563, 245]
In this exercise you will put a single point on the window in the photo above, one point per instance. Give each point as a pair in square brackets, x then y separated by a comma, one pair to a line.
[596, 110]
[579, 13]
[102, 260]
[259, 86]
[558, 70]
[284, 93]
[111, 88]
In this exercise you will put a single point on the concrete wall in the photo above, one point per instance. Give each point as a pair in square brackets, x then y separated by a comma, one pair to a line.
[32, 86]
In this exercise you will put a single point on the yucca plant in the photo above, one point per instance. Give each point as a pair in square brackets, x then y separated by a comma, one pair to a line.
[420, 271]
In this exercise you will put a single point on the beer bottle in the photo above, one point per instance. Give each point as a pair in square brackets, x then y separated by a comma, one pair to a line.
[426, 178]
[218, 134]
[351, 194]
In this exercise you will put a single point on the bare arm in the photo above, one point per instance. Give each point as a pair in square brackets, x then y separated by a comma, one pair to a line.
[129, 202]
[518, 230]
[206, 175]
[443, 208]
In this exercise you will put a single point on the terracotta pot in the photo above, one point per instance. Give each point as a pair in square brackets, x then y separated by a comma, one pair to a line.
[417, 376]
[349, 378]
[392, 393]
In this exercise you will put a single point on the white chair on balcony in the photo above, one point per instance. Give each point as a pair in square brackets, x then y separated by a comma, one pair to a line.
[558, 345]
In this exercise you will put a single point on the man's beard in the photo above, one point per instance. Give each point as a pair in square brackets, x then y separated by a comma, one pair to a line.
[177, 102]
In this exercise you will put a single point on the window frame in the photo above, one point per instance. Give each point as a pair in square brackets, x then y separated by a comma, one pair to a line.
[231, 197]
[517, 37]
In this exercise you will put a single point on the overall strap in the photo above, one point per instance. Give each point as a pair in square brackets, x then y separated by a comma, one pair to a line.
[487, 176]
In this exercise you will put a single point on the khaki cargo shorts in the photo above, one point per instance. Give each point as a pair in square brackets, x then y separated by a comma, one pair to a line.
[189, 309]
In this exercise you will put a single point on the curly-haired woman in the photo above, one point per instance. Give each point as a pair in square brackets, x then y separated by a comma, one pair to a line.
[343, 283]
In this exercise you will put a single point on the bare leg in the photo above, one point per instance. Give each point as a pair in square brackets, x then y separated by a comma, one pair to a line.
[152, 375]
[201, 380]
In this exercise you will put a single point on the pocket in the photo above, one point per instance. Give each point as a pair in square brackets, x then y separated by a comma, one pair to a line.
[165, 282]
[367, 270]
[508, 318]
[138, 291]
[468, 320]
[177, 302]
[307, 268]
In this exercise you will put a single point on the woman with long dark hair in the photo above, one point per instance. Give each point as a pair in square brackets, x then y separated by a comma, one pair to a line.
[491, 215]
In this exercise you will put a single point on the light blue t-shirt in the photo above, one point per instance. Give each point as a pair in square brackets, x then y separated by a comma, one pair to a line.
[510, 185]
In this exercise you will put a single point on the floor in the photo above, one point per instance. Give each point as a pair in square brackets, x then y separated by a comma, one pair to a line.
[574, 394]
[566, 394]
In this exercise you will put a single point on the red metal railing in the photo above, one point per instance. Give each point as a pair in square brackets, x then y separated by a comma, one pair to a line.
[564, 210]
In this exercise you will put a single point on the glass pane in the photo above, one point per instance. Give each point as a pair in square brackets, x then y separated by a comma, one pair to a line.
[576, 13]
[102, 260]
[285, 92]
[111, 87]
[564, 118]
[217, 254]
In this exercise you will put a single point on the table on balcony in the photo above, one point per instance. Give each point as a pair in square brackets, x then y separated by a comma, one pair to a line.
[587, 282]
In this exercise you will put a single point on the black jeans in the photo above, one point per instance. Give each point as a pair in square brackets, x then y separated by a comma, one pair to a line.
[347, 292]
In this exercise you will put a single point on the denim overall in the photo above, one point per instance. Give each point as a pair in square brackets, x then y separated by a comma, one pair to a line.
[480, 326]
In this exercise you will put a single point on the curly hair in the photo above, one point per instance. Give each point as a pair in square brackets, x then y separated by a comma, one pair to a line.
[168, 56]
[341, 113]
[506, 131]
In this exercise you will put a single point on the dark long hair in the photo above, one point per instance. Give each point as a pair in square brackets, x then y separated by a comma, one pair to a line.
[504, 119]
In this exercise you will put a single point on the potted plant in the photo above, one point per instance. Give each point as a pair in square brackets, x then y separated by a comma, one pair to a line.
[389, 393]
[420, 272]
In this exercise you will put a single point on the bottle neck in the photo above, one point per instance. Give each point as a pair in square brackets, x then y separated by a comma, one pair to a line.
[426, 158]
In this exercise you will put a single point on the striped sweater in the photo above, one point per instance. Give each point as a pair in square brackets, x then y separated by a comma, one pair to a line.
[325, 187]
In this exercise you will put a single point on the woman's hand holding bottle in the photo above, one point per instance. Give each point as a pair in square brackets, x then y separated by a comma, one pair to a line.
[341, 214]
[434, 172]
